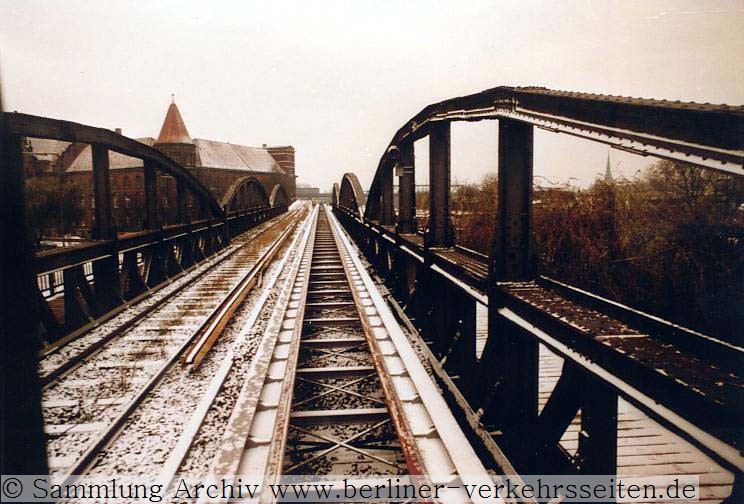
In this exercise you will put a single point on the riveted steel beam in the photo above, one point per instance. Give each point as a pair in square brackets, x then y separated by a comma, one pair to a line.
[406, 190]
[512, 255]
[439, 233]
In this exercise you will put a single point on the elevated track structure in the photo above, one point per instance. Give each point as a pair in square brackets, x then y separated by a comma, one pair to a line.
[88, 283]
[559, 377]
[258, 339]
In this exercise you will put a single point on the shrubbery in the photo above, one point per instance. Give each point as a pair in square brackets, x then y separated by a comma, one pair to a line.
[670, 242]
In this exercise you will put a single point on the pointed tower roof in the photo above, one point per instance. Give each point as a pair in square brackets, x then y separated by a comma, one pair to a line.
[173, 130]
[608, 171]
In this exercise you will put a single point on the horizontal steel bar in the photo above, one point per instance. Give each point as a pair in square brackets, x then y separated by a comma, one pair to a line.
[345, 416]
[333, 372]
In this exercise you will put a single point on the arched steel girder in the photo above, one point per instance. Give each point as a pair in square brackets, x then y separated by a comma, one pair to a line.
[279, 196]
[351, 194]
[250, 190]
[334, 195]
[67, 131]
[709, 136]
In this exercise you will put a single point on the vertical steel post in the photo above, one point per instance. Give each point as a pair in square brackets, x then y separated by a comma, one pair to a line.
[388, 211]
[373, 207]
[75, 316]
[106, 270]
[23, 440]
[105, 229]
[407, 190]
[462, 359]
[181, 197]
[513, 255]
[184, 216]
[151, 195]
[512, 355]
[440, 221]
[598, 435]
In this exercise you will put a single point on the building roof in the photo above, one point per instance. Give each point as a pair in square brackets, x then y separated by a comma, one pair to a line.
[209, 154]
[84, 161]
[173, 129]
[47, 150]
[228, 156]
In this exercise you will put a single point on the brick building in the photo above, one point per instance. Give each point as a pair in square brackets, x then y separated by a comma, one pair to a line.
[216, 164]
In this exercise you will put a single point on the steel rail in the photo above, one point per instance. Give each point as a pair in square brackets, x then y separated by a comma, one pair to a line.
[247, 426]
[179, 452]
[257, 434]
[219, 321]
[402, 425]
[398, 352]
[210, 264]
[106, 436]
[719, 449]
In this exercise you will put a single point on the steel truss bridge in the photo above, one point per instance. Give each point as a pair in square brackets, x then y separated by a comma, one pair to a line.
[369, 349]
[678, 377]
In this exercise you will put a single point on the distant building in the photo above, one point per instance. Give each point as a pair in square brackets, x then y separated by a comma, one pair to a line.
[305, 191]
[215, 164]
[608, 171]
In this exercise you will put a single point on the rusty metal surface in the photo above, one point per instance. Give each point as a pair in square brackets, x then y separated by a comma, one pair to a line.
[335, 386]
[444, 451]
[687, 381]
[247, 441]
[703, 378]
[476, 267]
[176, 321]
[708, 135]
[274, 237]
[586, 320]
[351, 194]
[700, 374]
[332, 392]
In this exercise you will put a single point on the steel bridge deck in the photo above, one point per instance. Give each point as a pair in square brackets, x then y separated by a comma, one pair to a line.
[95, 383]
[670, 398]
[337, 389]
[704, 376]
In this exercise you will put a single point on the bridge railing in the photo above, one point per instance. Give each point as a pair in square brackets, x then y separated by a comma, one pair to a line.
[495, 382]
[145, 260]
[83, 285]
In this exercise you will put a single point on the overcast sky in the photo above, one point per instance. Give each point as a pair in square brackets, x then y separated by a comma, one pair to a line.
[336, 79]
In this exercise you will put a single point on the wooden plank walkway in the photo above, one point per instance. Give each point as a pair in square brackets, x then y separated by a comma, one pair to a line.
[645, 448]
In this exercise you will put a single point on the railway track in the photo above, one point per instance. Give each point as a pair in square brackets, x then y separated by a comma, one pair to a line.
[61, 357]
[88, 398]
[335, 387]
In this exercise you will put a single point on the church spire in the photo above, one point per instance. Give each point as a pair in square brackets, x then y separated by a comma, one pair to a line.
[608, 171]
[174, 130]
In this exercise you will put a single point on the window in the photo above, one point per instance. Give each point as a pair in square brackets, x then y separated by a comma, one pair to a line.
[116, 201]
[92, 201]
[114, 182]
[190, 199]
[165, 201]
[82, 201]
[138, 182]
[126, 182]
[127, 201]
